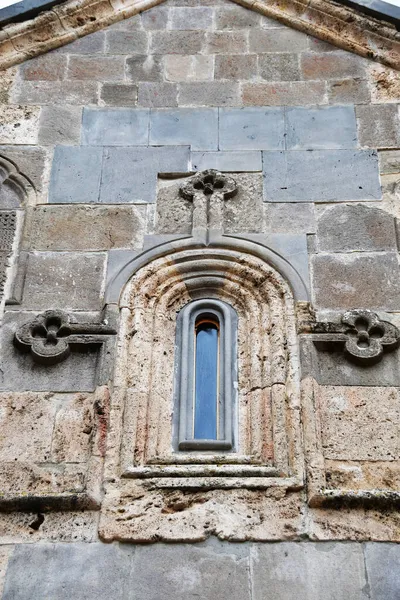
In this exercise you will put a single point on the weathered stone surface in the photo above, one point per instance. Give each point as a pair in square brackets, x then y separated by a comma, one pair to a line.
[146, 67]
[188, 68]
[382, 562]
[293, 93]
[279, 67]
[243, 212]
[341, 281]
[236, 67]
[363, 475]
[331, 65]
[19, 479]
[226, 42]
[19, 124]
[177, 42]
[60, 125]
[355, 228]
[157, 94]
[197, 128]
[154, 18]
[289, 218]
[73, 429]
[20, 373]
[345, 91]
[209, 93]
[72, 280]
[378, 125]
[191, 18]
[115, 127]
[105, 68]
[31, 161]
[90, 44]
[354, 524]
[227, 161]
[75, 174]
[49, 67]
[321, 128]
[315, 571]
[251, 129]
[174, 213]
[384, 82]
[56, 92]
[130, 174]
[124, 42]
[85, 227]
[342, 175]
[56, 527]
[277, 40]
[234, 17]
[118, 94]
[5, 553]
[389, 162]
[360, 423]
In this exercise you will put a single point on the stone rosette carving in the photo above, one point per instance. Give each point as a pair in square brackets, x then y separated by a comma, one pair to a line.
[209, 182]
[364, 336]
[53, 335]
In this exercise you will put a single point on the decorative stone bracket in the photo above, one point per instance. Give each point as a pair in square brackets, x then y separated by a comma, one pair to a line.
[54, 334]
[363, 335]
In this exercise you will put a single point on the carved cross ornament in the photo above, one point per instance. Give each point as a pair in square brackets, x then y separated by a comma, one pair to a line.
[53, 335]
[363, 335]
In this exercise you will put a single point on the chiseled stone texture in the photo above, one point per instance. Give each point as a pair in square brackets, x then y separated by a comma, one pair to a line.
[56, 527]
[363, 475]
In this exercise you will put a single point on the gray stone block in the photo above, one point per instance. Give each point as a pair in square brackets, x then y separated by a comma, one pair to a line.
[20, 373]
[154, 18]
[243, 212]
[347, 281]
[157, 94]
[65, 280]
[75, 570]
[383, 570]
[144, 68]
[75, 174]
[321, 176]
[126, 42]
[389, 162]
[308, 571]
[118, 127]
[56, 92]
[90, 44]
[289, 218]
[209, 93]
[227, 161]
[60, 125]
[355, 228]
[251, 129]
[177, 42]
[198, 17]
[130, 174]
[321, 128]
[118, 94]
[279, 67]
[378, 125]
[195, 127]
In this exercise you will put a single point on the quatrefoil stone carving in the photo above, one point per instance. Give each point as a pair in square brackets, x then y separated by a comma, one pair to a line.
[208, 183]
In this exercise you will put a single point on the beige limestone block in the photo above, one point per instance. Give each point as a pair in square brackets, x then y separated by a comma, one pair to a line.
[19, 479]
[384, 83]
[363, 475]
[73, 430]
[55, 527]
[354, 524]
[188, 68]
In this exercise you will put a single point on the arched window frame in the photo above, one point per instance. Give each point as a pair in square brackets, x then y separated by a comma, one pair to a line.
[184, 403]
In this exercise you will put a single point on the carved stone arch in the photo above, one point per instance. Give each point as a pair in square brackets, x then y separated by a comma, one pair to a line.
[15, 188]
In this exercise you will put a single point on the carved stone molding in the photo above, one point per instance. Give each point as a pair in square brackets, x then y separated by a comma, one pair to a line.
[362, 334]
[53, 335]
[15, 188]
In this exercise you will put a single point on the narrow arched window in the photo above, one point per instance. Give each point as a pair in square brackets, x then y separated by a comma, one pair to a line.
[206, 376]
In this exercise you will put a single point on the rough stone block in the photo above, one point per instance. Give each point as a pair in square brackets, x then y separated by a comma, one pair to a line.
[31, 161]
[332, 65]
[383, 569]
[60, 125]
[89, 44]
[188, 68]
[289, 218]
[69, 228]
[321, 128]
[130, 174]
[349, 91]
[316, 45]
[226, 42]
[155, 18]
[236, 17]
[197, 128]
[68, 280]
[210, 93]
[384, 83]
[243, 213]
[279, 94]
[321, 176]
[251, 129]
[342, 282]
[236, 67]
[174, 213]
[277, 40]
[20, 373]
[378, 125]
[105, 68]
[57, 526]
[118, 94]
[126, 42]
[157, 94]
[355, 228]
[360, 423]
[121, 127]
[56, 92]
[16, 477]
[19, 125]
[91, 571]
[389, 162]
[279, 67]
[227, 161]
[177, 42]
[73, 428]
[199, 17]
[75, 174]
[314, 571]
[48, 67]
[144, 68]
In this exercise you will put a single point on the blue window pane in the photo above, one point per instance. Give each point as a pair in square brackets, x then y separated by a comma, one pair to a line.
[206, 382]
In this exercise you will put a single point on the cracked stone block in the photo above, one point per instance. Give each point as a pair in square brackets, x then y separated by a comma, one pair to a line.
[75, 175]
[321, 128]
[115, 127]
[251, 128]
[130, 174]
[195, 127]
[321, 176]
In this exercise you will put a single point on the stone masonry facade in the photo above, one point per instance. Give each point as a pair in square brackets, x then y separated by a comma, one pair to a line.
[101, 249]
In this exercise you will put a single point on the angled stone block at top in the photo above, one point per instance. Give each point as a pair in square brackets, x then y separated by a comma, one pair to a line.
[321, 128]
[75, 175]
[69, 280]
[197, 127]
[355, 228]
[227, 161]
[115, 127]
[251, 128]
[321, 176]
[130, 174]
[344, 281]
